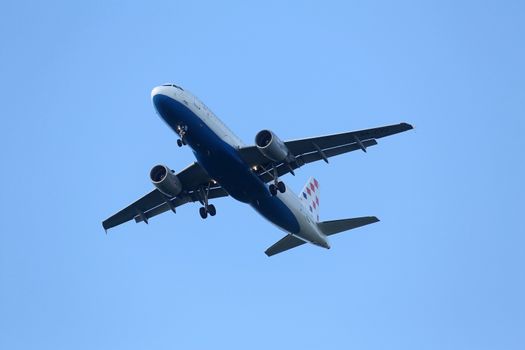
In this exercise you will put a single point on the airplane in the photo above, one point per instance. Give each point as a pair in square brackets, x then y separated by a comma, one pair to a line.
[251, 174]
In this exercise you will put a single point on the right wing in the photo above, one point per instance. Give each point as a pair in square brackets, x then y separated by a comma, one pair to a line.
[194, 180]
[312, 149]
[307, 145]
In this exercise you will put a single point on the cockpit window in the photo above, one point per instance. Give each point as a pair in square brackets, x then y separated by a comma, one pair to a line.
[175, 86]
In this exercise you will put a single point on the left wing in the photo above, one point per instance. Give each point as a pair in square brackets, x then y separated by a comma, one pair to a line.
[194, 180]
[319, 148]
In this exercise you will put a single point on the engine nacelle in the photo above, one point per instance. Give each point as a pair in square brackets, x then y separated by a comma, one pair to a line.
[165, 181]
[271, 146]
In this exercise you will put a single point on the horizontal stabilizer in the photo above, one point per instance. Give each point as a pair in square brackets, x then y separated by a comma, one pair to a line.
[287, 242]
[336, 226]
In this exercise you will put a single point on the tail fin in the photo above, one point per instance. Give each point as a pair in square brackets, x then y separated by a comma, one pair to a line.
[310, 196]
[336, 226]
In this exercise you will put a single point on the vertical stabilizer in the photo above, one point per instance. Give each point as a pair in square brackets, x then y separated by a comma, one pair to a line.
[310, 196]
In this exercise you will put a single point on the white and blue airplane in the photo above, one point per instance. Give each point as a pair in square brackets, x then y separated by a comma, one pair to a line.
[249, 173]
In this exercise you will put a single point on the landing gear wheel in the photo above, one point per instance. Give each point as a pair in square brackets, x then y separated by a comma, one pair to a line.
[211, 210]
[273, 189]
[184, 142]
[203, 212]
[179, 142]
[281, 187]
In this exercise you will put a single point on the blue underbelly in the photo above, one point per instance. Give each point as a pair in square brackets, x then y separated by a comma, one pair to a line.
[224, 164]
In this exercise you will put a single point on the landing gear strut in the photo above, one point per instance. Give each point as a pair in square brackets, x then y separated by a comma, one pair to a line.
[206, 208]
[181, 131]
[276, 185]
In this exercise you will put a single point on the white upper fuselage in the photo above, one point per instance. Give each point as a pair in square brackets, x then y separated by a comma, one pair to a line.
[247, 187]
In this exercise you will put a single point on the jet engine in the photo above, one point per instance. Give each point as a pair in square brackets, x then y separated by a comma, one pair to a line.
[271, 146]
[165, 180]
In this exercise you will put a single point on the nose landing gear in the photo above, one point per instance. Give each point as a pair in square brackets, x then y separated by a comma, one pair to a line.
[181, 131]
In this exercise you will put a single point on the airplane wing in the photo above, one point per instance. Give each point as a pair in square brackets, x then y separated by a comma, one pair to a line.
[194, 180]
[319, 148]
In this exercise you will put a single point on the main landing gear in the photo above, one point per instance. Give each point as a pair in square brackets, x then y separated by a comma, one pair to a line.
[206, 208]
[277, 185]
[181, 131]
[204, 211]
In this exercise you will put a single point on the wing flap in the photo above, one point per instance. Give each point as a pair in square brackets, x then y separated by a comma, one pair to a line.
[335, 151]
[284, 244]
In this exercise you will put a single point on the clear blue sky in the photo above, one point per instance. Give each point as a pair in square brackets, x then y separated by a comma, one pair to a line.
[444, 269]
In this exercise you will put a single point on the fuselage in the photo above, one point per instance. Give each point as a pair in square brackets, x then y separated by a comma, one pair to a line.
[216, 149]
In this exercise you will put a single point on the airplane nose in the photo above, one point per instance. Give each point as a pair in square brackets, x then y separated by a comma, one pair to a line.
[158, 90]
[158, 98]
[163, 96]
[159, 95]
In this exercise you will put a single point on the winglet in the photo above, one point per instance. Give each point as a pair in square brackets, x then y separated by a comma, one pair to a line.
[407, 126]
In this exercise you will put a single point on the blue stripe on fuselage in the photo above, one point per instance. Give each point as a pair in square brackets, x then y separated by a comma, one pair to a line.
[223, 163]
